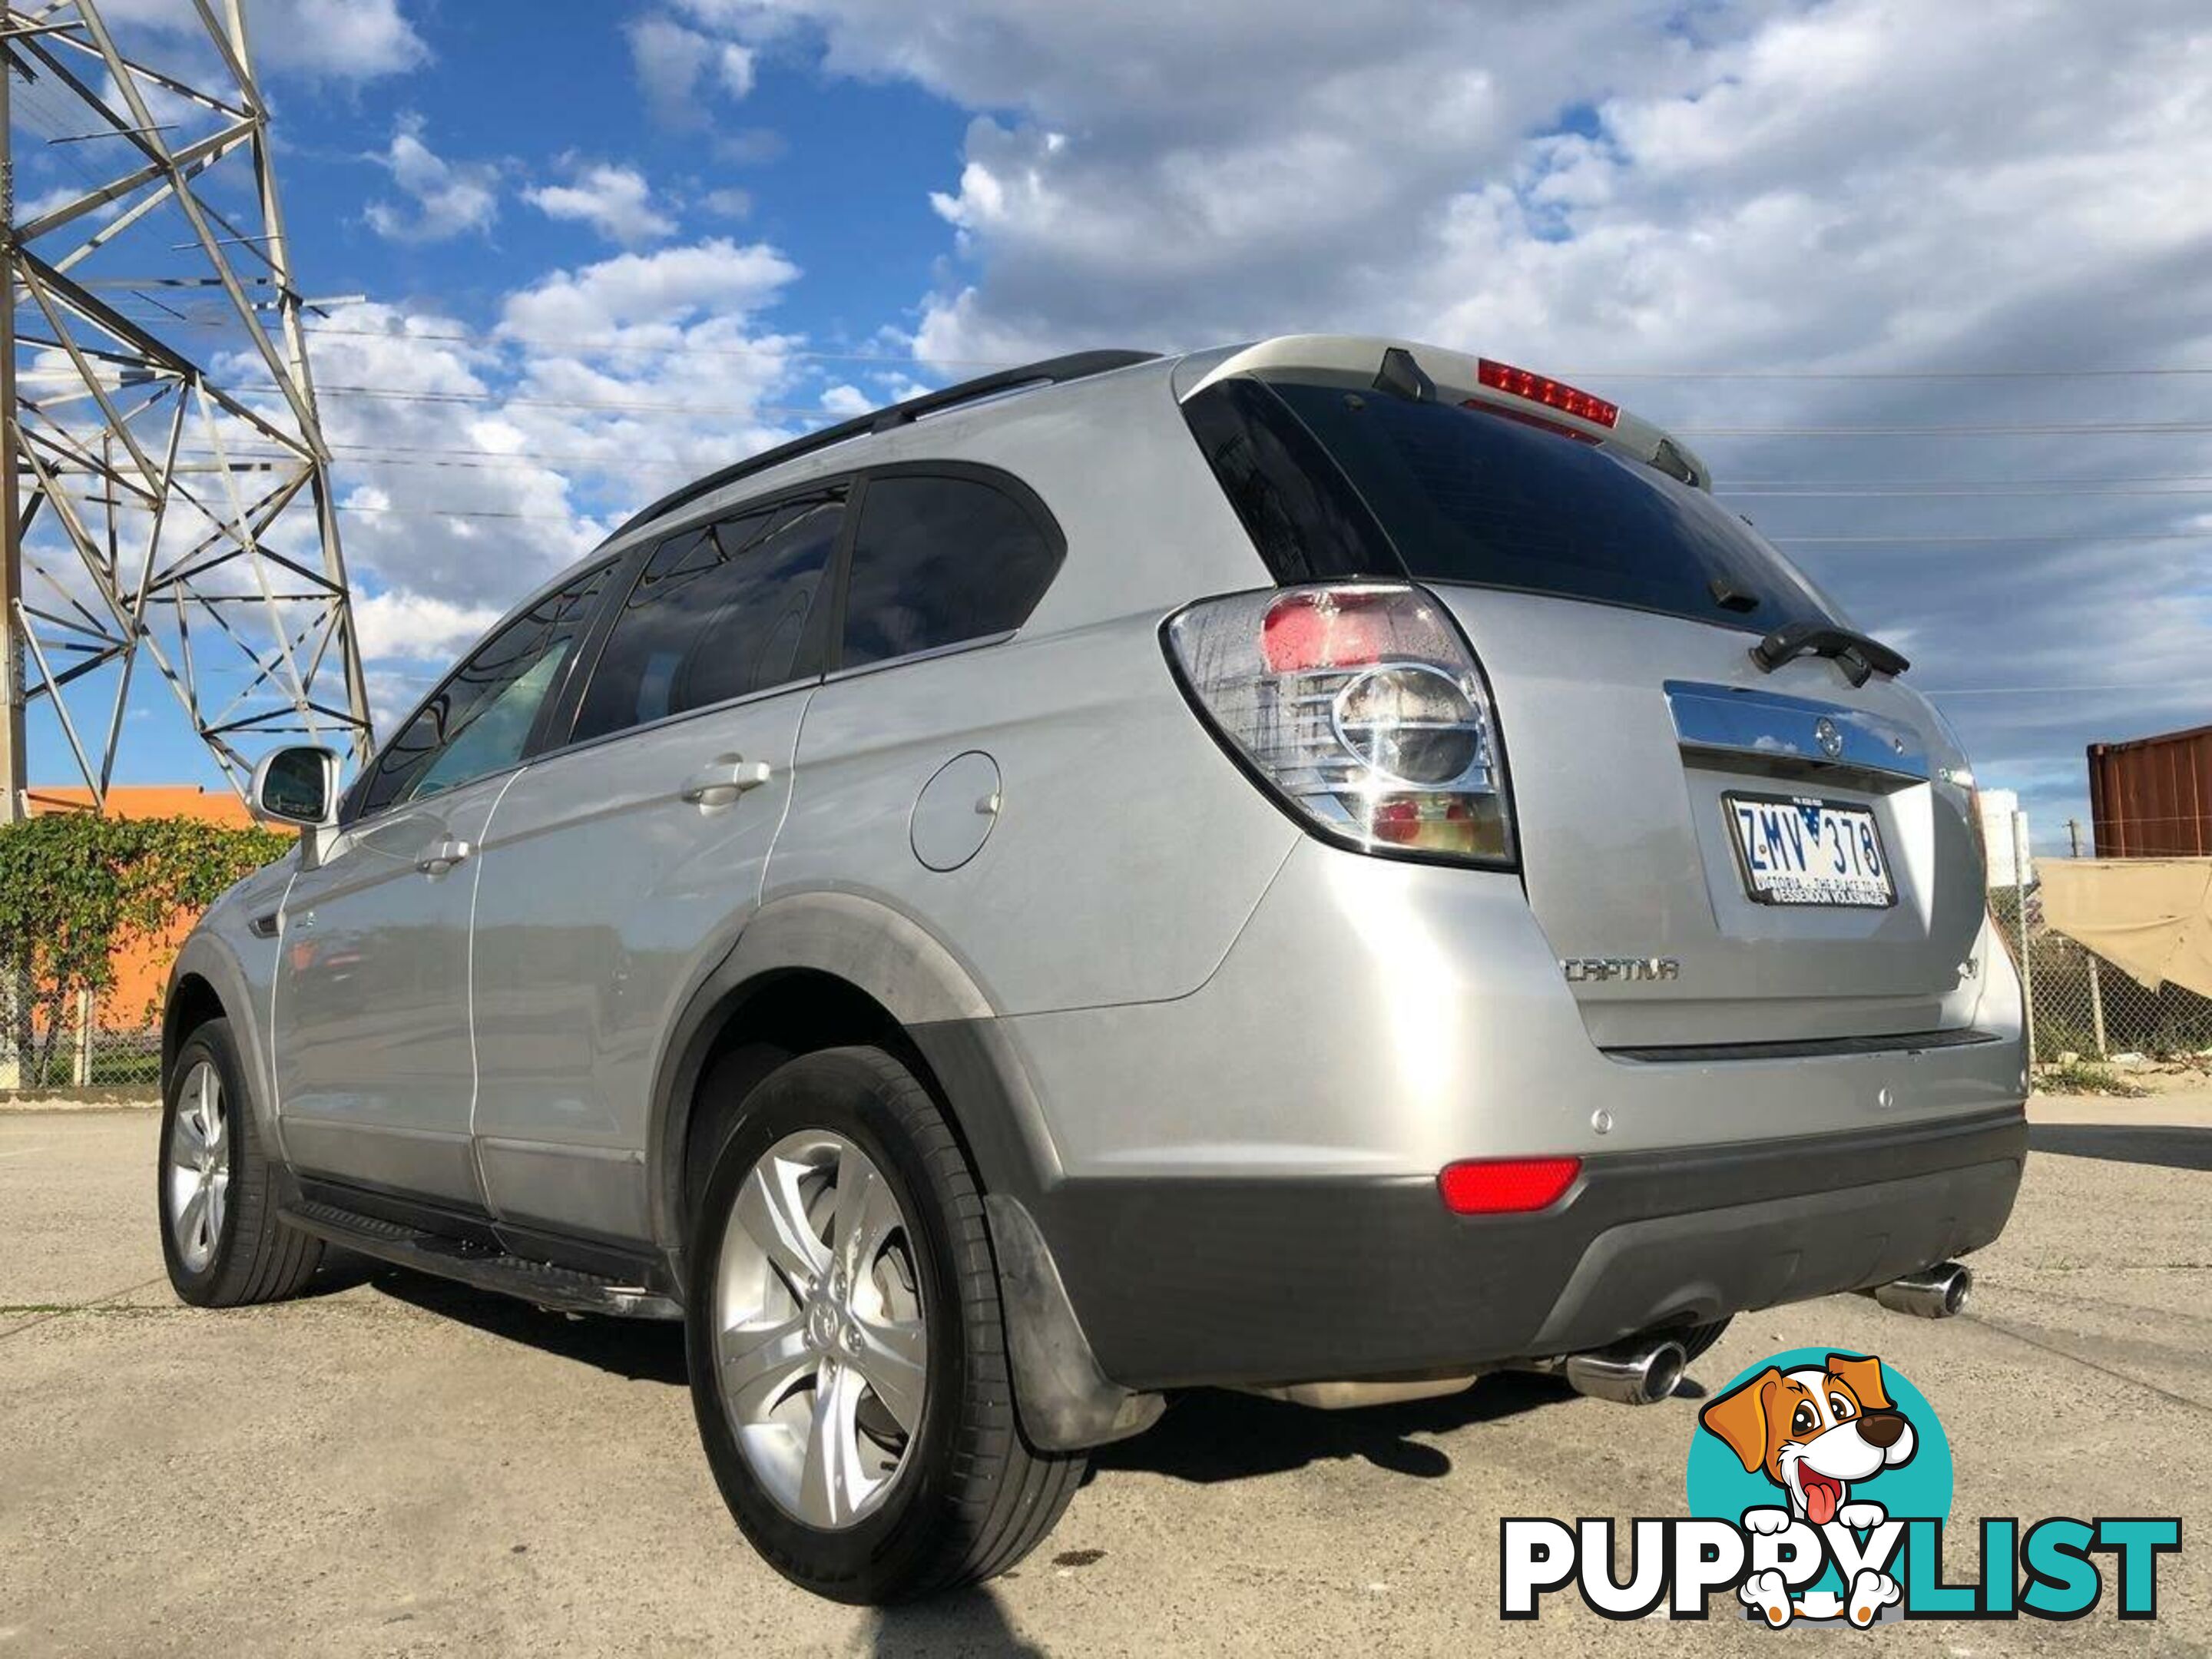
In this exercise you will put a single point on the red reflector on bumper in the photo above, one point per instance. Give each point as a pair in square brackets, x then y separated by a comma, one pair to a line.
[1505, 1186]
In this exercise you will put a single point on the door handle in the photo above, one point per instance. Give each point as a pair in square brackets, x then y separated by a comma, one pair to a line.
[721, 781]
[443, 857]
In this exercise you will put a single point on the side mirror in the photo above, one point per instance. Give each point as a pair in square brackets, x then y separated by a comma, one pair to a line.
[299, 785]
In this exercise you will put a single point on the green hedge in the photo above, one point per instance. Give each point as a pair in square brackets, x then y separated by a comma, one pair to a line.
[76, 888]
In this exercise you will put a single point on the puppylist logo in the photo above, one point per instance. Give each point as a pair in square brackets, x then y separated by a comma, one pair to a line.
[1820, 1486]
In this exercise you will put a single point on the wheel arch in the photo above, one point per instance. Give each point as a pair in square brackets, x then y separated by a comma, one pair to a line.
[818, 970]
[208, 983]
[192, 1002]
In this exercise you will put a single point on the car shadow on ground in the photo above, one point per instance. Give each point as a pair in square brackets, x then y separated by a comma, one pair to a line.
[638, 1350]
[968, 1621]
[2170, 1147]
[1207, 1435]
[1210, 1435]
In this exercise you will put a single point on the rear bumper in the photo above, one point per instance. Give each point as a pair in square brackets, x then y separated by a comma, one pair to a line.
[1188, 1280]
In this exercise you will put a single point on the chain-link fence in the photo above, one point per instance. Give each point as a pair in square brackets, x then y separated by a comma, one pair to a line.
[78, 1045]
[2083, 1007]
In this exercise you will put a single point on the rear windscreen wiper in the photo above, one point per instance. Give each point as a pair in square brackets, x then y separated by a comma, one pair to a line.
[1859, 657]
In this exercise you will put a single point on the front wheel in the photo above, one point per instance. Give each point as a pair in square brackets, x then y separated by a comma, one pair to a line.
[846, 1345]
[222, 1239]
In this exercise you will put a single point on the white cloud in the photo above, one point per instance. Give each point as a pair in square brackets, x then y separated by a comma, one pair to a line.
[449, 198]
[715, 277]
[733, 68]
[335, 40]
[602, 387]
[672, 61]
[1850, 186]
[615, 201]
[318, 39]
[728, 202]
[843, 402]
[395, 623]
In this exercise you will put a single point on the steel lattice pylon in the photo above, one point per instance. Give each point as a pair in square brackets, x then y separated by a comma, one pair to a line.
[164, 509]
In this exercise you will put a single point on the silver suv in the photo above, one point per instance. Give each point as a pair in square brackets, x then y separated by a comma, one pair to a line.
[1328, 867]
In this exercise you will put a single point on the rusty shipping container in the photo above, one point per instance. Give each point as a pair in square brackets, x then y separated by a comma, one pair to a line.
[2151, 797]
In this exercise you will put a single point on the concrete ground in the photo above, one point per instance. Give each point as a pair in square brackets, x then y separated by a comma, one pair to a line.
[396, 1466]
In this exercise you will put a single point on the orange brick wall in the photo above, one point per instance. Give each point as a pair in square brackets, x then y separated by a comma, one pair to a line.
[141, 970]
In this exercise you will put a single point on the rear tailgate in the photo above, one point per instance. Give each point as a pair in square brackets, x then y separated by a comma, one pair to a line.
[1718, 855]
[1636, 741]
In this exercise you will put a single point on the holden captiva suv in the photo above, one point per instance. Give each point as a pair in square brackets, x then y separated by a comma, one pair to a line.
[1328, 867]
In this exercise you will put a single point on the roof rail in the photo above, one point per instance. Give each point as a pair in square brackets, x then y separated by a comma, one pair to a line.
[1053, 371]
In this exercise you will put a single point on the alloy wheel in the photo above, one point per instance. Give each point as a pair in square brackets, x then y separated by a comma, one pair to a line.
[821, 1350]
[199, 1167]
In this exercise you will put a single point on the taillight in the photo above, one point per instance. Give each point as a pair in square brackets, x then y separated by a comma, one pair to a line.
[1542, 389]
[1360, 706]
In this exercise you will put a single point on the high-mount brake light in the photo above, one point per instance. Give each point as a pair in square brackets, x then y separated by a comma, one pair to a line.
[1542, 389]
[1360, 706]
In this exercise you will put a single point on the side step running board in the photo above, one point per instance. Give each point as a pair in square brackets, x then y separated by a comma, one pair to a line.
[566, 1290]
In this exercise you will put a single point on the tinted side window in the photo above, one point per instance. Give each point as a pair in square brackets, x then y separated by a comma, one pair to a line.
[481, 717]
[717, 612]
[939, 561]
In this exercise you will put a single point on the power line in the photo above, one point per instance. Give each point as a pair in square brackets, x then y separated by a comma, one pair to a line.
[2024, 429]
[2080, 535]
[1974, 483]
[446, 455]
[474, 337]
[416, 510]
[460, 512]
[1971, 492]
[1877, 373]
[815, 412]
[2037, 691]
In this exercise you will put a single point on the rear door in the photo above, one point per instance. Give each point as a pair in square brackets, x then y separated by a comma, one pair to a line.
[623, 862]
[1717, 854]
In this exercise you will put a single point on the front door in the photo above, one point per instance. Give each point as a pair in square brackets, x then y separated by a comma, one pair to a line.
[375, 1076]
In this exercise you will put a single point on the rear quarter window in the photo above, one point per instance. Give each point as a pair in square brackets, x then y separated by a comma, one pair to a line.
[941, 560]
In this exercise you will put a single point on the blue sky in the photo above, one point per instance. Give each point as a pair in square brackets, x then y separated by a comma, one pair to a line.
[602, 246]
[835, 174]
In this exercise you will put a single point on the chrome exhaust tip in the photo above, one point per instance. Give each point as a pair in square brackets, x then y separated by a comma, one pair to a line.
[1935, 1293]
[1640, 1371]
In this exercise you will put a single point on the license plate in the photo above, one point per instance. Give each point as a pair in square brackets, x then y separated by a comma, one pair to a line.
[1798, 850]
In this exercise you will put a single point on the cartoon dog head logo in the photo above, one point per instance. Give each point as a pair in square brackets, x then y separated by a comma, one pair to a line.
[1816, 1433]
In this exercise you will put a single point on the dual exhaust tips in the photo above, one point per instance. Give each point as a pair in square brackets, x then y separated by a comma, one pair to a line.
[1937, 1292]
[1643, 1371]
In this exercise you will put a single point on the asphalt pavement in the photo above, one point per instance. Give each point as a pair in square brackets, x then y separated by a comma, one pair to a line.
[393, 1465]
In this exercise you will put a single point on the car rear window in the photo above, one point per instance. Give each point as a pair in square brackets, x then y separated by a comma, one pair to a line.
[1469, 495]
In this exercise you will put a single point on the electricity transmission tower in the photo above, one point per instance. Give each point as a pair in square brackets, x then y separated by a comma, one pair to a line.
[170, 514]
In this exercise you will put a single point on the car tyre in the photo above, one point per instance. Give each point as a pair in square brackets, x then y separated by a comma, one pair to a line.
[844, 1316]
[222, 1239]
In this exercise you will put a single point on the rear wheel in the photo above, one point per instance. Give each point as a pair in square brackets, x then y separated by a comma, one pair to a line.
[847, 1348]
[221, 1238]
